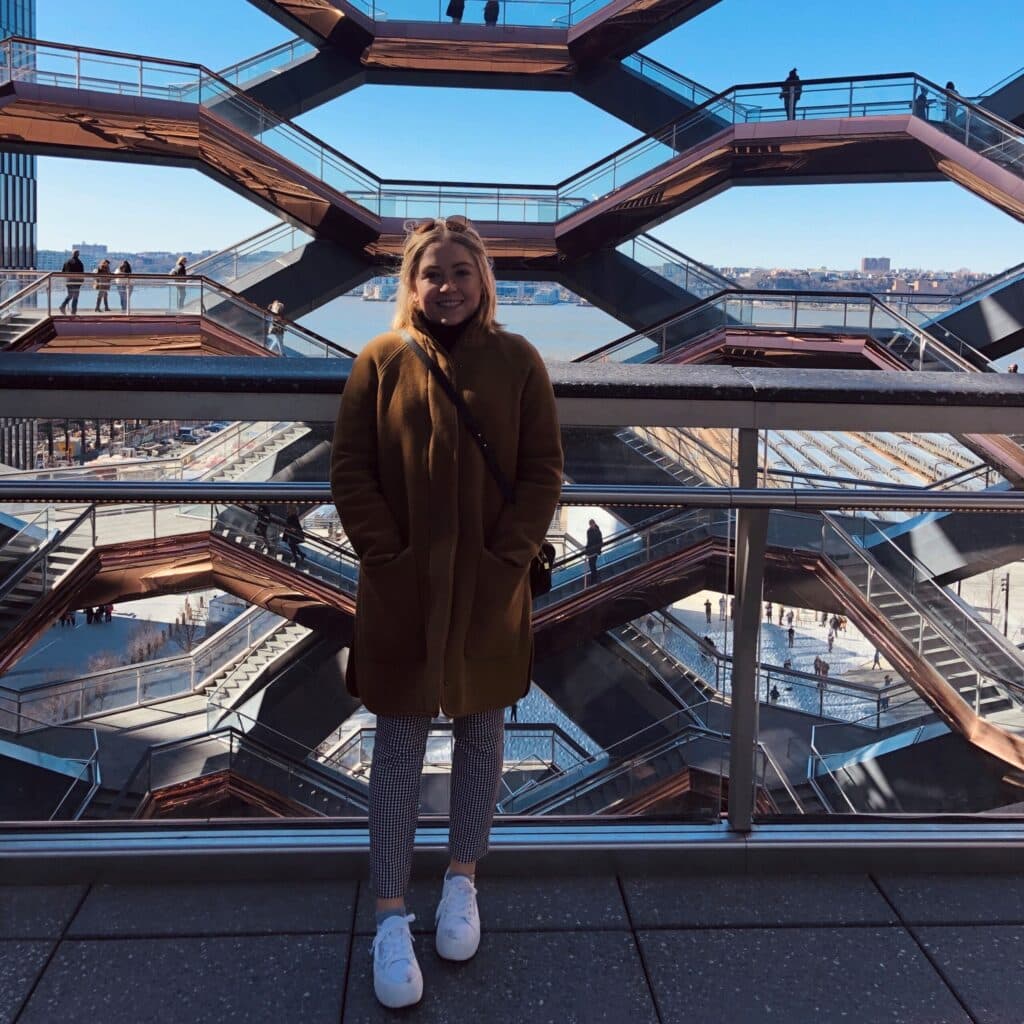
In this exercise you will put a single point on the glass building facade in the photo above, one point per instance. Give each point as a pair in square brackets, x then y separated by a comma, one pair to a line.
[17, 170]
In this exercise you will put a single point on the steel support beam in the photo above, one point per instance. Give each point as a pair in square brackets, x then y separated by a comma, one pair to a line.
[751, 532]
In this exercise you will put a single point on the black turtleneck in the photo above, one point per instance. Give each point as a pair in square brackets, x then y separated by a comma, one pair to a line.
[445, 335]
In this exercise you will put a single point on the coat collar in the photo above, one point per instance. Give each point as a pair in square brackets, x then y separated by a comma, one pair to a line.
[474, 337]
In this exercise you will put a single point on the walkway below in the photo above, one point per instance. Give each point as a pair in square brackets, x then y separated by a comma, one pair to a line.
[583, 948]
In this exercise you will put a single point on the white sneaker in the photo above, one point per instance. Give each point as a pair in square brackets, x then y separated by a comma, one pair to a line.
[458, 920]
[397, 980]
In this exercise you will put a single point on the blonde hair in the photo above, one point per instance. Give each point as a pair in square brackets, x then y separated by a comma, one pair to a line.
[460, 232]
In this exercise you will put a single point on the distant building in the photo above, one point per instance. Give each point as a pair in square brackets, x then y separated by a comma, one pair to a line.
[91, 253]
[875, 265]
[17, 170]
[50, 259]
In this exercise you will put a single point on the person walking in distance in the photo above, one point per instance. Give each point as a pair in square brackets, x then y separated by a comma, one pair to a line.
[443, 611]
[181, 271]
[275, 328]
[72, 285]
[455, 10]
[791, 636]
[768, 612]
[791, 93]
[124, 288]
[595, 542]
[262, 522]
[707, 610]
[294, 535]
[722, 604]
[877, 663]
[103, 276]
[782, 611]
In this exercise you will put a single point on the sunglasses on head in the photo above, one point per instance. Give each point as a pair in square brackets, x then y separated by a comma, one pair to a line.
[456, 223]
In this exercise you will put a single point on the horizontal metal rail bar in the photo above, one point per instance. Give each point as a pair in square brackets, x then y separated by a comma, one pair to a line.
[40, 385]
[796, 500]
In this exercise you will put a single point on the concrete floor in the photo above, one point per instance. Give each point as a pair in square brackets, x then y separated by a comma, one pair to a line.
[575, 947]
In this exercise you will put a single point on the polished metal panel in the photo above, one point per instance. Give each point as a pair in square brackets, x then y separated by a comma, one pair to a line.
[875, 149]
[339, 24]
[457, 49]
[621, 27]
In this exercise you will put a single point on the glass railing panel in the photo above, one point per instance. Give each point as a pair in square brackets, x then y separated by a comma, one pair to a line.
[102, 693]
[962, 625]
[983, 132]
[1002, 82]
[251, 253]
[143, 295]
[82, 69]
[248, 72]
[30, 534]
[693, 277]
[675, 741]
[37, 575]
[534, 13]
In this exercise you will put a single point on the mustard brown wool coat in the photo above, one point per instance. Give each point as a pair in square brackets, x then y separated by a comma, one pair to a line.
[443, 609]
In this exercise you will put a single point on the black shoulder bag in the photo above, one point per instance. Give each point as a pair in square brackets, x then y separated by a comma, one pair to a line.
[540, 565]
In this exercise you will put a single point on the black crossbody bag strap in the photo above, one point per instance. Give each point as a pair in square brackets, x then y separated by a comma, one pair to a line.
[467, 417]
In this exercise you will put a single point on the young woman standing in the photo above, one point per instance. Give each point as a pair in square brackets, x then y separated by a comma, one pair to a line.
[443, 610]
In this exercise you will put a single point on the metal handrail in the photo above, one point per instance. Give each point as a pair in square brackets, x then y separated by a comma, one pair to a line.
[7, 585]
[95, 679]
[1002, 81]
[89, 764]
[660, 676]
[955, 643]
[940, 627]
[243, 98]
[771, 296]
[675, 124]
[378, 183]
[189, 280]
[815, 756]
[786, 499]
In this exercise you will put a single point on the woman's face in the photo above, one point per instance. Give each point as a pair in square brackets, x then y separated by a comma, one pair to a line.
[447, 286]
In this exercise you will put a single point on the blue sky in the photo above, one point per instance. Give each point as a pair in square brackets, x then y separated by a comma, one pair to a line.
[540, 137]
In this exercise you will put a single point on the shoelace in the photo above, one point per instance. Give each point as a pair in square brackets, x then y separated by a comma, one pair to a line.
[459, 900]
[394, 943]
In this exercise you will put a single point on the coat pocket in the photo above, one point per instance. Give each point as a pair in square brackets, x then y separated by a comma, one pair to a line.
[500, 605]
[389, 620]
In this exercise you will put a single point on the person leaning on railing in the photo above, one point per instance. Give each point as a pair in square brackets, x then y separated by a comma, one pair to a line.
[102, 286]
[443, 612]
[124, 288]
[180, 271]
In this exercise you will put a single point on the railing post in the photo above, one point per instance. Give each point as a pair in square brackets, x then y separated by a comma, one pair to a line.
[751, 533]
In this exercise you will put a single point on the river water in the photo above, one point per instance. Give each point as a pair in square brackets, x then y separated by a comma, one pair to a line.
[563, 331]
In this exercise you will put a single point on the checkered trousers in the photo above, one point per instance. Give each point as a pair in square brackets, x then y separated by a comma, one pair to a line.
[398, 751]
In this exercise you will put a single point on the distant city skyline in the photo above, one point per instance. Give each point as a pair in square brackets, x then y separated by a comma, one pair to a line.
[49, 255]
[142, 207]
